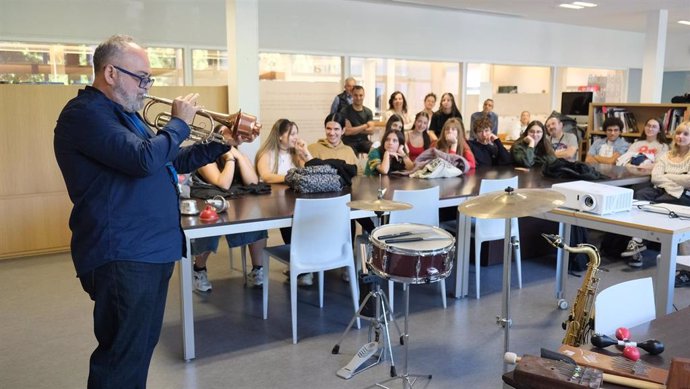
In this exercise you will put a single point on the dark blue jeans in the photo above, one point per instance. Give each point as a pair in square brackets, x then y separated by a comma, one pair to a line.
[129, 300]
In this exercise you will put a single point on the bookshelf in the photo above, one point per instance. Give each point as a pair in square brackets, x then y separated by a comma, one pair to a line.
[634, 116]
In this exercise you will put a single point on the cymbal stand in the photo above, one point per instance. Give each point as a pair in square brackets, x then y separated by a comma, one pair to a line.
[504, 320]
[408, 380]
[378, 324]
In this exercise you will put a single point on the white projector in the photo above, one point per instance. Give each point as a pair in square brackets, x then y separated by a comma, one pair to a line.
[595, 198]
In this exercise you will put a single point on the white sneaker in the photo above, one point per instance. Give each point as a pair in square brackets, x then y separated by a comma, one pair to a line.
[635, 246]
[255, 278]
[201, 282]
[306, 279]
[345, 275]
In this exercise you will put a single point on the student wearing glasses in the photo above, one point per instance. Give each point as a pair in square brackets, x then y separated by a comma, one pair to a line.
[125, 222]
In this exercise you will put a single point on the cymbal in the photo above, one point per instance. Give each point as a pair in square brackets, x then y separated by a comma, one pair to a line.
[518, 203]
[379, 205]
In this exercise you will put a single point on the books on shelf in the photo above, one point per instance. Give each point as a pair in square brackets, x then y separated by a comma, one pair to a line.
[627, 117]
[672, 118]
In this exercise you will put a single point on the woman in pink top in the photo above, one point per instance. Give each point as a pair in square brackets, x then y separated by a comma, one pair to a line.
[452, 141]
[418, 139]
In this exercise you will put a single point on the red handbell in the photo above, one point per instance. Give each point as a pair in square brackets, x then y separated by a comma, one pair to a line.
[209, 214]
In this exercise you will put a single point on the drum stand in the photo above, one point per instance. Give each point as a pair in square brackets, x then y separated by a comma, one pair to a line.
[408, 380]
[379, 324]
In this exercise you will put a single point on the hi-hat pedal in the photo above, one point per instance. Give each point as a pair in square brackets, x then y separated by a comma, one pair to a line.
[365, 358]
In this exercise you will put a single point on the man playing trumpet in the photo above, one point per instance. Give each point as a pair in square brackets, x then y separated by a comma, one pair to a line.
[122, 180]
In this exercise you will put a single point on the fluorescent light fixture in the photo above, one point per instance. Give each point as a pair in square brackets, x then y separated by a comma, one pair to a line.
[686, 22]
[584, 4]
[571, 6]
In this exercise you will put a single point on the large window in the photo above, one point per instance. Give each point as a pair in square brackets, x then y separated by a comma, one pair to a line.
[415, 79]
[209, 67]
[54, 63]
[45, 63]
[299, 67]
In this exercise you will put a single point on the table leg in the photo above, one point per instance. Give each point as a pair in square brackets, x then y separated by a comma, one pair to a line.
[186, 308]
[562, 259]
[665, 276]
[462, 248]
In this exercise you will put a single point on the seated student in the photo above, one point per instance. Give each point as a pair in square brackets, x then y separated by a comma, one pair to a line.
[607, 150]
[282, 151]
[651, 145]
[418, 139]
[564, 144]
[390, 156]
[532, 148]
[452, 141]
[486, 147]
[670, 184]
[232, 168]
[332, 147]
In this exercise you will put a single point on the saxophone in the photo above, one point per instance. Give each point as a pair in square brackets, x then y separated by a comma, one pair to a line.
[581, 318]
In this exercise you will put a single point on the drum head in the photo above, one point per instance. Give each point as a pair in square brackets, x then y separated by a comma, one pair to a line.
[424, 240]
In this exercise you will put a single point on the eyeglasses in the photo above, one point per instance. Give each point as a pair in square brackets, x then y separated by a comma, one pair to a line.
[144, 81]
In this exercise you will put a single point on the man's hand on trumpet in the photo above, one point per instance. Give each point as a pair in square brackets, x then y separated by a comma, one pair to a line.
[185, 108]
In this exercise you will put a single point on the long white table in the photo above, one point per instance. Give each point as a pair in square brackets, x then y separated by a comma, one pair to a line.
[647, 225]
[651, 226]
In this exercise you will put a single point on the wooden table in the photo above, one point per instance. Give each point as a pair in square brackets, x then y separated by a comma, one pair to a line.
[670, 329]
[274, 210]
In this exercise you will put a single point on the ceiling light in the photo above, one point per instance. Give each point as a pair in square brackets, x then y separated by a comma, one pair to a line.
[686, 22]
[571, 6]
[584, 4]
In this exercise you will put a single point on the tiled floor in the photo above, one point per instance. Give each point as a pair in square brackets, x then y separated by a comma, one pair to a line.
[46, 335]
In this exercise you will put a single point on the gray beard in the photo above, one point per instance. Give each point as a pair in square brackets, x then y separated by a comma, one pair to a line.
[130, 104]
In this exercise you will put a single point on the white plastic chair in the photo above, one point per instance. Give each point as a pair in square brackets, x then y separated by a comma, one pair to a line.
[320, 241]
[486, 230]
[624, 305]
[424, 211]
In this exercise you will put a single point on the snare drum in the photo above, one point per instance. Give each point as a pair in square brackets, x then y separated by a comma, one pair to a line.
[411, 253]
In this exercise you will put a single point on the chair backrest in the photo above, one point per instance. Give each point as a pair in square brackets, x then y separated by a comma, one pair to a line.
[624, 305]
[320, 230]
[495, 227]
[424, 206]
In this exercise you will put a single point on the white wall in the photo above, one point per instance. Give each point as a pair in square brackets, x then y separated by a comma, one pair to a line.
[381, 30]
[199, 23]
[677, 52]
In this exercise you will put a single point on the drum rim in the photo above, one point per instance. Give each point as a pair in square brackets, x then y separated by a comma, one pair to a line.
[398, 250]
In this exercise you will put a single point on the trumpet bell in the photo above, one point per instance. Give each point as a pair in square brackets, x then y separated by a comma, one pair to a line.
[207, 126]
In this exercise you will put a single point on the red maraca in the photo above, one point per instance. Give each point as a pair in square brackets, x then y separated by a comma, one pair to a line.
[623, 334]
[632, 353]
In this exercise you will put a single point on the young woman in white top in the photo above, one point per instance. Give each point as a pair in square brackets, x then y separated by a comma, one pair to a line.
[281, 151]
[670, 184]
[648, 148]
[397, 105]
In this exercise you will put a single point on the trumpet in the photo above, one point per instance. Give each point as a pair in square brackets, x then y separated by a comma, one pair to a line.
[207, 125]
